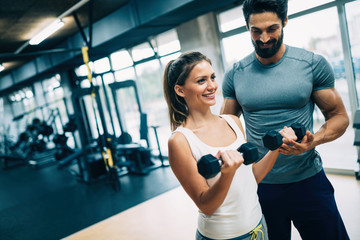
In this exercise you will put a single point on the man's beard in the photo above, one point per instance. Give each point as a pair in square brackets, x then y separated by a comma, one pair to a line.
[268, 52]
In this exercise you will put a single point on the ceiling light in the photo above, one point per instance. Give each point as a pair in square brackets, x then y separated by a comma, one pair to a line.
[1, 67]
[56, 25]
[66, 13]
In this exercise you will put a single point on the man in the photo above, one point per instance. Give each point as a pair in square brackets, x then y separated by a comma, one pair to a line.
[273, 87]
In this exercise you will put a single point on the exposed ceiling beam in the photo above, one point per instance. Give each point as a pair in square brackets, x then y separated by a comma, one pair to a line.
[9, 56]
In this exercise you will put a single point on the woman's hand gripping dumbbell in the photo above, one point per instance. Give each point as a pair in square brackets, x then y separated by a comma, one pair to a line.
[273, 139]
[209, 166]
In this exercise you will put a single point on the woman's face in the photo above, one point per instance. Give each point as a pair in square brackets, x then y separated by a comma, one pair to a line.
[200, 86]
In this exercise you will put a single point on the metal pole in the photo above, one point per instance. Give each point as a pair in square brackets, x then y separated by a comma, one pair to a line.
[349, 70]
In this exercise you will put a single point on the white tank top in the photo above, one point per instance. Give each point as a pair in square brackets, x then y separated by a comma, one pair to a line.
[240, 212]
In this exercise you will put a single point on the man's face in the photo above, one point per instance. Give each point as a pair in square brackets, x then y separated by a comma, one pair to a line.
[266, 33]
[273, 46]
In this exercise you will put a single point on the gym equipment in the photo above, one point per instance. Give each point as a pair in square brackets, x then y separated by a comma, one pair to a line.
[14, 153]
[62, 149]
[40, 132]
[34, 146]
[273, 139]
[209, 166]
[71, 125]
[87, 111]
[96, 158]
[356, 126]
[142, 156]
[103, 140]
[31, 146]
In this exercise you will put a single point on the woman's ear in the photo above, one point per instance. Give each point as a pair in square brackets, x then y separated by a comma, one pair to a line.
[179, 90]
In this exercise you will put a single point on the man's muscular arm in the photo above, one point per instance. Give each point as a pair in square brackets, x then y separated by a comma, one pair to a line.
[333, 109]
[336, 122]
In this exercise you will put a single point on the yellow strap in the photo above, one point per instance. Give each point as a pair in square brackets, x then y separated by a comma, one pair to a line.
[84, 51]
[85, 55]
[254, 233]
[107, 156]
[110, 160]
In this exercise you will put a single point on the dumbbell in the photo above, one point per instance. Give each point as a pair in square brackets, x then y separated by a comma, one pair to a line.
[273, 139]
[209, 166]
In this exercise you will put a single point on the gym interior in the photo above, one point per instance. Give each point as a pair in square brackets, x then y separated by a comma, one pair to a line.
[84, 130]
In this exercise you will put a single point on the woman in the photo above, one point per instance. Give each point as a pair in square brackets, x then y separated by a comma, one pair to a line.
[228, 203]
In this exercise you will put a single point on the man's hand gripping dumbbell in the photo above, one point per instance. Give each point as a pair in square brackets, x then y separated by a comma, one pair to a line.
[273, 139]
[209, 166]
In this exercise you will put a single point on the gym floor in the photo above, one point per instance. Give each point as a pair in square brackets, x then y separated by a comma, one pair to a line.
[139, 223]
[49, 203]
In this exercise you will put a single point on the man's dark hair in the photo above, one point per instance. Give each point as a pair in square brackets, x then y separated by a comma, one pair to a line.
[279, 7]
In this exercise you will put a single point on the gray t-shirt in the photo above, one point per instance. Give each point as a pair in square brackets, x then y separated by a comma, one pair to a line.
[277, 95]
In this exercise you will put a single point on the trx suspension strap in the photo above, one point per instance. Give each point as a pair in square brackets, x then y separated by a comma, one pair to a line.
[103, 140]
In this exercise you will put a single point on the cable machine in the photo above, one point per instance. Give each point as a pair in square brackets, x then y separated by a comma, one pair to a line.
[95, 159]
[147, 152]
